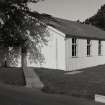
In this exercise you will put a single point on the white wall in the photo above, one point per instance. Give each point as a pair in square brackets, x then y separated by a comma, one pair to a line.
[54, 52]
[82, 61]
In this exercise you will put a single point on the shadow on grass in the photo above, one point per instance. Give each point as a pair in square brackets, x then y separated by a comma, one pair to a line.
[12, 76]
[85, 84]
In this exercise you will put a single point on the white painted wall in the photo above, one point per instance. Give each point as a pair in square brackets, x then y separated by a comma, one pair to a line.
[58, 53]
[54, 52]
[82, 61]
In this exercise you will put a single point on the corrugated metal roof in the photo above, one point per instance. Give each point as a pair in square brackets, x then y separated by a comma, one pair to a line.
[74, 29]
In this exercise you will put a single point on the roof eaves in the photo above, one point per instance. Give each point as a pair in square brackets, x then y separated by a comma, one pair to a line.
[84, 37]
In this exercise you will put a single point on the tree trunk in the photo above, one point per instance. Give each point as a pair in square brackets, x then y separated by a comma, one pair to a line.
[5, 52]
[23, 58]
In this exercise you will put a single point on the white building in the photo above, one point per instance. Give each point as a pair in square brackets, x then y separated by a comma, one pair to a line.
[72, 45]
[54, 52]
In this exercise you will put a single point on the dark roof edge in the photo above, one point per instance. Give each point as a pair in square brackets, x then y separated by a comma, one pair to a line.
[80, 37]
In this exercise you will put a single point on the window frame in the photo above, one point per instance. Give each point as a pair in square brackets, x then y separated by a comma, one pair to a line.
[74, 47]
[99, 47]
[88, 47]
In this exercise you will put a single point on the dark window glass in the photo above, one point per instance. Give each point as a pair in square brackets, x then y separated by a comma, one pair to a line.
[99, 47]
[74, 47]
[88, 47]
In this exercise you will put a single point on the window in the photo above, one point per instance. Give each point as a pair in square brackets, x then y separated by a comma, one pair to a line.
[99, 47]
[74, 47]
[88, 47]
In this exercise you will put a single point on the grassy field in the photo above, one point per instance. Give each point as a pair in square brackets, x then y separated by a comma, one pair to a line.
[84, 84]
[14, 95]
[12, 75]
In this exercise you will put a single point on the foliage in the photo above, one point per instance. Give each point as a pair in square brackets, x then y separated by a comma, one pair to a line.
[20, 27]
[98, 19]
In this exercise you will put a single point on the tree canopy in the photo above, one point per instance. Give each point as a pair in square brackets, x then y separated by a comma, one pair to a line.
[98, 19]
[20, 27]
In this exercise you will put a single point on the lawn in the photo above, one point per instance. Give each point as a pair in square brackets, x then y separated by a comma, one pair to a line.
[14, 95]
[20, 95]
[84, 84]
[12, 75]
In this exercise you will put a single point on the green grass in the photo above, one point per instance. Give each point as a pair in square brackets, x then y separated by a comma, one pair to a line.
[12, 76]
[84, 84]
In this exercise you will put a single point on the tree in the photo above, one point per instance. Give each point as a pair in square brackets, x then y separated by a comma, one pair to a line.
[98, 19]
[20, 27]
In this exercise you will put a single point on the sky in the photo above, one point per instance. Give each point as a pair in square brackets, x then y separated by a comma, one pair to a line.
[69, 9]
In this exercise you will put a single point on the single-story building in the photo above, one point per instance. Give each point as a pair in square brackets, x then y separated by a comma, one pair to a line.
[72, 45]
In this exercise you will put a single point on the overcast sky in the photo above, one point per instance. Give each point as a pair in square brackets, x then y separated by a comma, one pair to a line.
[69, 9]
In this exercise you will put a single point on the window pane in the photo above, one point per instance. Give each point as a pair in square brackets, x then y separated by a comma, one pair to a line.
[73, 50]
[99, 47]
[74, 40]
[88, 47]
[88, 42]
[74, 46]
